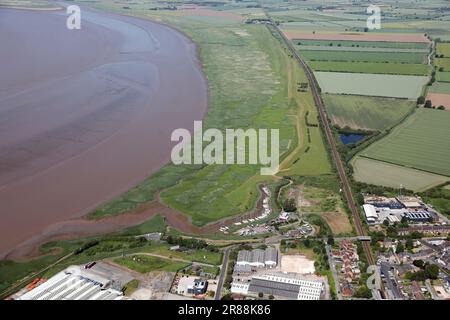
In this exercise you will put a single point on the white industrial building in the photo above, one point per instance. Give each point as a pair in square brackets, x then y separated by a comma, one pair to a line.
[377, 215]
[271, 257]
[371, 213]
[258, 258]
[74, 283]
[282, 285]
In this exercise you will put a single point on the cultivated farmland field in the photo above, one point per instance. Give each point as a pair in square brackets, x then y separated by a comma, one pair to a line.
[367, 113]
[443, 63]
[376, 68]
[443, 48]
[443, 76]
[439, 99]
[420, 142]
[389, 175]
[440, 87]
[360, 49]
[363, 44]
[399, 57]
[379, 85]
[357, 36]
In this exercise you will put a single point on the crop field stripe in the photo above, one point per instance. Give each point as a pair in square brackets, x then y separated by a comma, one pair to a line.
[359, 49]
[443, 63]
[320, 55]
[340, 36]
[443, 76]
[440, 87]
[371, 67]
[443, 48]
[362, 44]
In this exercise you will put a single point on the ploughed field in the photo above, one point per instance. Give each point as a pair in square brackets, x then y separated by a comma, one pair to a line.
[363, 56]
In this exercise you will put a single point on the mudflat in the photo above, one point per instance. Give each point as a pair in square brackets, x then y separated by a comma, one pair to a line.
[86, 114]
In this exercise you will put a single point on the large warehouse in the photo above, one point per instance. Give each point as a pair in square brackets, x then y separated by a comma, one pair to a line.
[74, 283]
[283, 286]
[258, 258]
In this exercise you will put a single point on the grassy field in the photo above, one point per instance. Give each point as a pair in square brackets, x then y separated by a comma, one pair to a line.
[338, 222]
[319, 196]
[204, 256]
[443, 76]
[131, 287]
[11, 271]
[145, 264]
[359, 49]
[390, 175]
[440, 87]
[443, 48]
[387, 57]
[362, 44]
[328, 205]
[374, 67]
[155, 224]
[367, 113]
[443, 63]
[396, 86]
[421, 142]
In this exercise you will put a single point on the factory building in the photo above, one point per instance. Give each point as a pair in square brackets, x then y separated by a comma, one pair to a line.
[258, 258]
[271, 257]
[371, 213]
[418, 216]
[74, 283]
[376, 215]
[283, 286]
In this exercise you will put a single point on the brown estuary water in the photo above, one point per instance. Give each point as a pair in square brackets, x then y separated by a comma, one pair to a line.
[86, 114]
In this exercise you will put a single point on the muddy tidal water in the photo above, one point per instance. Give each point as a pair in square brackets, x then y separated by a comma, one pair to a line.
[85, 114]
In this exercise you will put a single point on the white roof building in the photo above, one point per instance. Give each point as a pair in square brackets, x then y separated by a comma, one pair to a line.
[371, 213]
[271, 257]
[281, 285]
[258, 258]
[74, 283]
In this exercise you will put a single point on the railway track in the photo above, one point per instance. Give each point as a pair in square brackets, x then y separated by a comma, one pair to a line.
[345, 185]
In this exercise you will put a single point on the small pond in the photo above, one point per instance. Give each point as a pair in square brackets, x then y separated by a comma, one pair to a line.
[348, 138]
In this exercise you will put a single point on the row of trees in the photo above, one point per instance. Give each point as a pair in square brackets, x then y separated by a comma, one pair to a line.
[190, 243]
